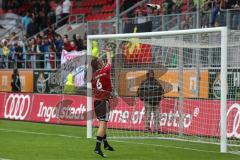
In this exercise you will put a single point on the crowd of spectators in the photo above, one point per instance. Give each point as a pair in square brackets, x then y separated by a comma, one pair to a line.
[41, 46]
[41, 51]
[218, 10]
[212, 13]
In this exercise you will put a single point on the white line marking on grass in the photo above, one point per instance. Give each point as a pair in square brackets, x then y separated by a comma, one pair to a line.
[4, 159]
[39, 133]
[118, 141]
[165, 146]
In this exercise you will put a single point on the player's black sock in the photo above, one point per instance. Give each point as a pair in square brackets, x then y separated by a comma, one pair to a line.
[98, 142]
[98, 146]
[106, 145]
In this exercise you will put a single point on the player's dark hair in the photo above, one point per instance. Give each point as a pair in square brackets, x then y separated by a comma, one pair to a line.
[95, 65]
[149, 72]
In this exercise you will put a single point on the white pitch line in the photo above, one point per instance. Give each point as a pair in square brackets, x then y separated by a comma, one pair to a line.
[4, 159]
[118, 141]
[165, 146]
[39, 133]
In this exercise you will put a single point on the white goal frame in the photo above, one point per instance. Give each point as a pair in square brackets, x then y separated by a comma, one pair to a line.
[224, 40]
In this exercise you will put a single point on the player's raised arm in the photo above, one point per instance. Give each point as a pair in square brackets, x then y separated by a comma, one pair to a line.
[108, 57]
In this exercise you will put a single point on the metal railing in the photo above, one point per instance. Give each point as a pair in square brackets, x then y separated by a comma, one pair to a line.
[43, 60]
[170, 22]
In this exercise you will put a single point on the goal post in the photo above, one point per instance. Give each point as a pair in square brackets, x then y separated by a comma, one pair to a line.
[223, 115]
[89, 90]
[165, 50]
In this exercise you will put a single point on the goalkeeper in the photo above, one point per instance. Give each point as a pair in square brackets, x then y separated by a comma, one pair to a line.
[102, 88]
[151, 92]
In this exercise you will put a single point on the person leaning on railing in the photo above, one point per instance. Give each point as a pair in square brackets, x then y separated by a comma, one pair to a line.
[177, 6]
[236, 15]
[205, 8]
[78, 42]
[18, 55]
[224, 5]
[5, 53]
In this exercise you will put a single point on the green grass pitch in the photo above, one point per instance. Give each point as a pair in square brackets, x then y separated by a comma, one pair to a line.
[36, 141]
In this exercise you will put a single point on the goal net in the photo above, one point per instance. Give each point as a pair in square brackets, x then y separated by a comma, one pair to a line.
[199, 72]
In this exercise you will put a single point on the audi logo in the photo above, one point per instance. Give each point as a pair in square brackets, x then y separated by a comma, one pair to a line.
[235, 132]
[17, 106]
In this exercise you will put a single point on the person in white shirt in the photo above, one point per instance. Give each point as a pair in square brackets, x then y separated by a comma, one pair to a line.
[66, 7]
[58, 12]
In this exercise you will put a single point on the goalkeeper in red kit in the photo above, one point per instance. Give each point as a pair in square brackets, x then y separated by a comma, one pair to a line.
[102, 88]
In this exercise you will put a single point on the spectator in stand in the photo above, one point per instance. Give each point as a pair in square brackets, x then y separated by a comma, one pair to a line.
[85, 41]
[73, 46]
[35, 6]
[43, 19]
[195, 3]
[214, 11]
[79, 42]
[177, 6]
[140, 17]
[205, 8]
[223, 7]
[53, 5]
[46, 51]
[187, 22]
[48, 13]
[51, 18]
[18, 54]
[13, 39]
[58, 12]
[26, 21]
[66, 8]
[32, 28]
[41, 35]
[66, 43]
[236, 15]
[45, 7]
[31, 51]
[155, 18]
[39, 53]
[52, 57]
[58, 41]
[6, 53]
[167, 9]
[50, 32]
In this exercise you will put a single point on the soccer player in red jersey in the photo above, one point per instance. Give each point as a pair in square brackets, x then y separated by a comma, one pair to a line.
[102, 88]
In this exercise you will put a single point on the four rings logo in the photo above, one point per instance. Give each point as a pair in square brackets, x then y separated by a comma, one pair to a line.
[235, 131]
[17, 106]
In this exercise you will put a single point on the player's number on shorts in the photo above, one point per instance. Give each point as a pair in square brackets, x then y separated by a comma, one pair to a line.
[99, 85]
